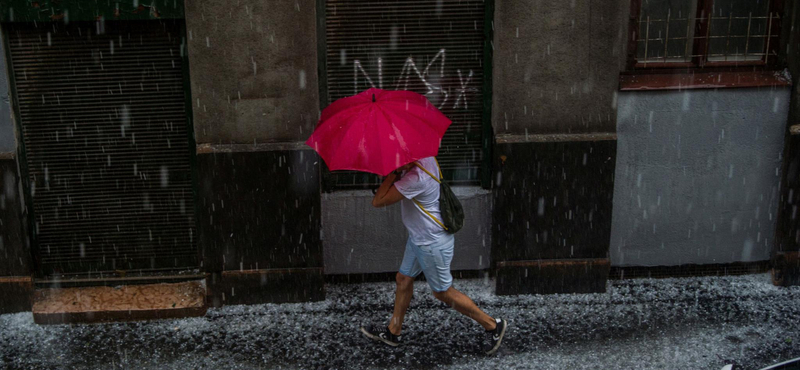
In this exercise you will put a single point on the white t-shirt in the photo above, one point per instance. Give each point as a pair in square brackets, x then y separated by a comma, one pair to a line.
[419, 185]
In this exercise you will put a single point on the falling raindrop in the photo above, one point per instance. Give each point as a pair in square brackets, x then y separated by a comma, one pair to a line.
[164, 176]
[302, 79]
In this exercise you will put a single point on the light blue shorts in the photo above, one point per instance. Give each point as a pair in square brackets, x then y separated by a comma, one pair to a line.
[433, 260]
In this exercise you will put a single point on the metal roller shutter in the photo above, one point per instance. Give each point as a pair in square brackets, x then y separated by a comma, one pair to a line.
[430, 47]
[102, 111]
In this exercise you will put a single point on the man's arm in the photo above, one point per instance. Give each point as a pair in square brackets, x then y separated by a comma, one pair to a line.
[387, 194]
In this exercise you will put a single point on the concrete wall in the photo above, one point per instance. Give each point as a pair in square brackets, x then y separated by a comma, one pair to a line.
[16, 261]
[358, 238]
[556, 65]
[555, 77]
[254, 70]
[790, 50]
[8, 142]
[793, 61]
[15, 254]
[697, 175]
[786, 251]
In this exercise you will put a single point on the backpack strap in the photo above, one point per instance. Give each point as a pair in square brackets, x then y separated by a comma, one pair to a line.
[429, 214]
[439, 180]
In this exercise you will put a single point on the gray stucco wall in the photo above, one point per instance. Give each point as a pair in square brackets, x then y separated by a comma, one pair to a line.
[556, 65]
[358, 238]
[697, 176]
[253, 67]
[8, 142]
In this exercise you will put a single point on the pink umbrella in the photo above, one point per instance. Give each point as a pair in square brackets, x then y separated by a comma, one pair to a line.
[378, 131]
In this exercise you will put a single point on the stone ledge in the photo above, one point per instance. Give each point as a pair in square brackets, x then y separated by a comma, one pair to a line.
[127, 302]
[208, 148]
[554, 138]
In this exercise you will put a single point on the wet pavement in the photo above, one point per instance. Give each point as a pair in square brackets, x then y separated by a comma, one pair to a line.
[680, 323]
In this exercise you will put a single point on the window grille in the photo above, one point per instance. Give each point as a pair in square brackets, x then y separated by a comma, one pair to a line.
[433, 48]
[706, 31]
[102, 112]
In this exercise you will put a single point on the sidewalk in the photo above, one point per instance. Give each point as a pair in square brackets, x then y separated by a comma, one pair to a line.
[686, 323]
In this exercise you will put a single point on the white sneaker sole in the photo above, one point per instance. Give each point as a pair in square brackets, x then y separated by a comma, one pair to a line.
[375, 337]
[499, 341]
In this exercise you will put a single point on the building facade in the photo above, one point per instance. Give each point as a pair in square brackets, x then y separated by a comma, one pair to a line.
[165, 140]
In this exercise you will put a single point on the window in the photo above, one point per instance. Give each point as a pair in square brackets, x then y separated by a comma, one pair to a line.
[435, 48]
[698, 33]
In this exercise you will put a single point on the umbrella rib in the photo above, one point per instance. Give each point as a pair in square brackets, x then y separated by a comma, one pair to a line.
[388, 117]
[378, 129]
[420, 118]
[339, 138]
[415, 114]
[345, 113]
[419, 128]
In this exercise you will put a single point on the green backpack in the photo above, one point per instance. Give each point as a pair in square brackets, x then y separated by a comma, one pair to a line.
[449, 206]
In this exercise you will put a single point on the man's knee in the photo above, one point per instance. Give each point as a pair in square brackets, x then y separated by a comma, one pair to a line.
[442, 296]
[403, 281]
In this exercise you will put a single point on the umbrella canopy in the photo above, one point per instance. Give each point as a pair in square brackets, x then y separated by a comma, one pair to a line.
[378, 131]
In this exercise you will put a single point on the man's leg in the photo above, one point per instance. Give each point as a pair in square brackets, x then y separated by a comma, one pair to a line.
[435, 262]
[402, 298]
[463, 304]
[409, 269]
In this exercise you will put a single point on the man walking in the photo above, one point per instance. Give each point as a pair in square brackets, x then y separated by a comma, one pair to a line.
[429, 250]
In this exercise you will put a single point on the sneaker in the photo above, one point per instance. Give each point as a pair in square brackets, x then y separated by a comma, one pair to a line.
[382, 334]
[493, 338]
